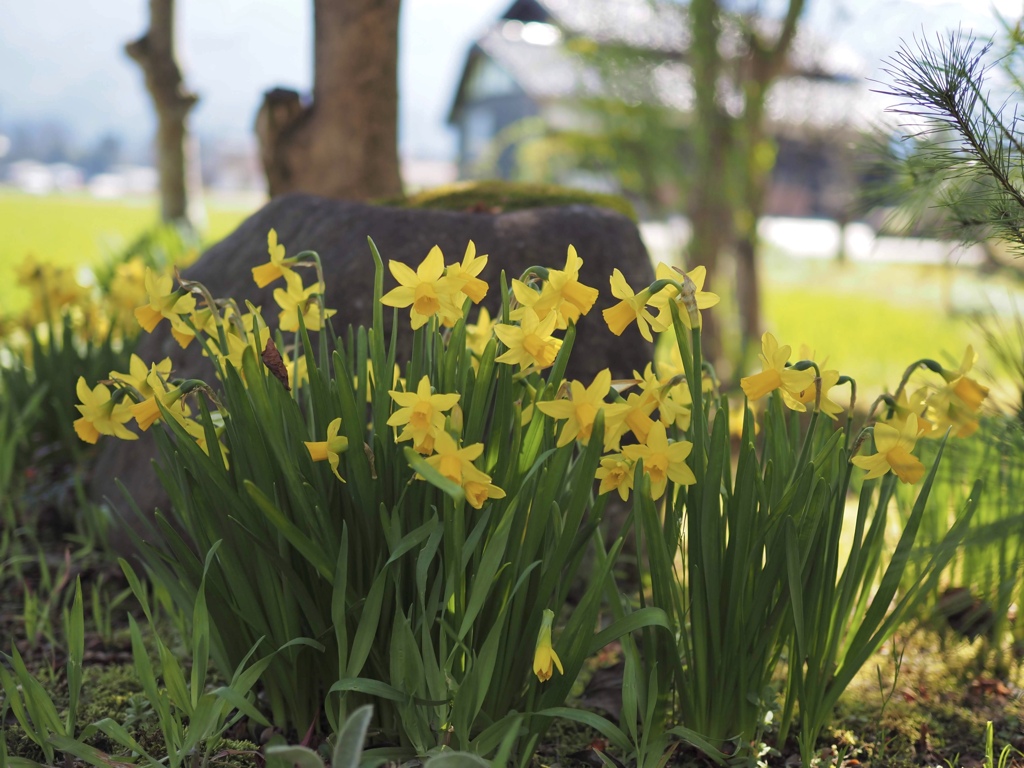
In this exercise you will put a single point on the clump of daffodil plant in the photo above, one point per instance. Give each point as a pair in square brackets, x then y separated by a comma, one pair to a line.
[421, 527]
[765, 573]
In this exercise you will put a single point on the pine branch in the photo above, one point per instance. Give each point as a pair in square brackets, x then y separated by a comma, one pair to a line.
[959, 136]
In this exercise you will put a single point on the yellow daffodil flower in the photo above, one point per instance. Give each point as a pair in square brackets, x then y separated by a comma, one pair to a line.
[147, 412]
[918, 404]
[969, 391]
[663, 461]
[138, 374]
[544, 657]
[580, 409]
[894, 444]
[634, 416]
[738, 412]
[127, 288]
[277, 267]
[100, 414]
[530, 344]
[422, 414]
[479, 334]
[423, 291]
[561, 293]
[661, 300]
[163, 301]
[297, 300]
[464, 277]
[454, 462]
[478, 488]
[775, 375]
[672, 400]
[232, 355]
[615, 473]
[632, 309]
[331, 448]
[807, 395]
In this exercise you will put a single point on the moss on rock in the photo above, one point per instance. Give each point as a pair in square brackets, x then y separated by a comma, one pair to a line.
[505, 196]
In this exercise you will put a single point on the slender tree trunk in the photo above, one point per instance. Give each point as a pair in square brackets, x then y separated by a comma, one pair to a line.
[345, 144]
[710, 208]
[754, 164]
[155, 54]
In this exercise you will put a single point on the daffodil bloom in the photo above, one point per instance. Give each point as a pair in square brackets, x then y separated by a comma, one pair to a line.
[478, 488]
[453, 462]
[737, 413]
[147, 412]
[479, 334]
[950, 411]
[128, 287]
[163, 301]
[298, 371]
[331, 448]
[138, 374]
[919, 404]
[465, 278]
[544, 657]
[562, 293]
[775, 375]
[580, 409]
[277, 267]
[530, 344]
[232, 355]
[100, 414]
[198, 433]
[632, 309]
[661, 300]
[296, 301]
[423, 291]
[969, 391]
[673, 400]
[663, 461]
[456, 464]
[615, 474]
[894, 443]
[808, 395]
[634, 416]
[422, 415]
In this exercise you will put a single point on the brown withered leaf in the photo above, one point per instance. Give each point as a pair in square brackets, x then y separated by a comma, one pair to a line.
[272, 359]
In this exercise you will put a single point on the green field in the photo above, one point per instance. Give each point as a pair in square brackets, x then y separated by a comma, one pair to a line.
[869, 320]
[81, 230]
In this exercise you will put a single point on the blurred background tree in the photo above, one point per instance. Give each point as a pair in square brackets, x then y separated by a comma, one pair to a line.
[344, 143]
[671, 107]
[156, 55]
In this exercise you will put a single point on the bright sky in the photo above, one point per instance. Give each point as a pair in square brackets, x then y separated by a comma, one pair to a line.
[64, 58]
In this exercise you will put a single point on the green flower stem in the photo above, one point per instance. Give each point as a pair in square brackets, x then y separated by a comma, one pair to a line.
[924, 362]
[806, 447]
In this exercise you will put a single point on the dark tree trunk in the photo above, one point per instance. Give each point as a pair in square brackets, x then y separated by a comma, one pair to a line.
[344, 144]
[155, 54]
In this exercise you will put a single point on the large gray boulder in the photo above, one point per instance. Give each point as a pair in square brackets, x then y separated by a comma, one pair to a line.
[337, 230]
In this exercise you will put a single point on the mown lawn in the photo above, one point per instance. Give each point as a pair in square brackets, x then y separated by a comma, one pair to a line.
[872, 320]
[75, 229]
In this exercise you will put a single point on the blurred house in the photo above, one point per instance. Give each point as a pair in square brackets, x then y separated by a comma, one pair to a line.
[527, 71]
[37, 178]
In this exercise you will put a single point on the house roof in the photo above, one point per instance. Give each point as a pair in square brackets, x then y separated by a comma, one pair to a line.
[823, 91]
